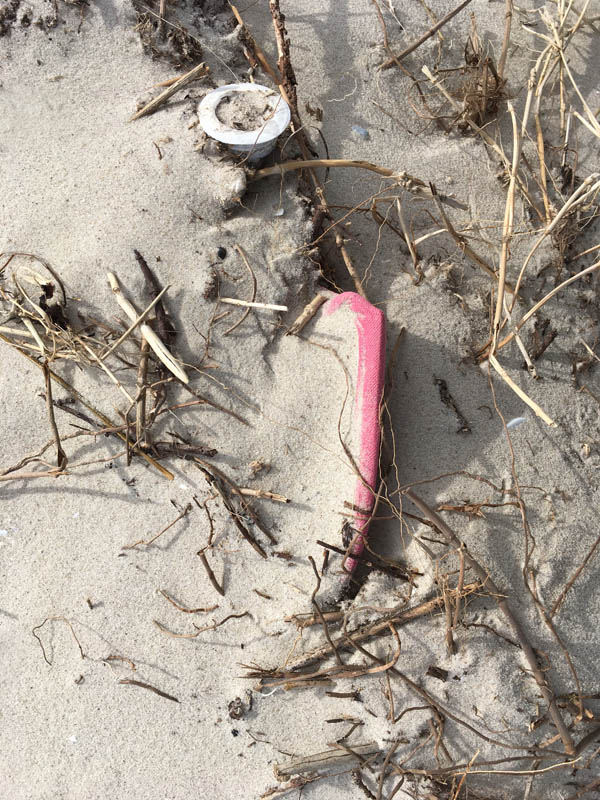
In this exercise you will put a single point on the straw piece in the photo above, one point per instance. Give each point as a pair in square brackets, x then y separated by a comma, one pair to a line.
[518, 391]
[134, 325]
[247, 304]
[198, 72]
[149, 335]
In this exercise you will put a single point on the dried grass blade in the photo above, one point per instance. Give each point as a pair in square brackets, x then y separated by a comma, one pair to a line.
[198, 72]
[134, 325]
[151, 337]
[520, 393]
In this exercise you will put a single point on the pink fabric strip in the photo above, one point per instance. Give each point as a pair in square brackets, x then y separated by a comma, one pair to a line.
[370, 325]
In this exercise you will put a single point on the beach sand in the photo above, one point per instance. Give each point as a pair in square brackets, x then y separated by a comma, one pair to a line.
[82, 187]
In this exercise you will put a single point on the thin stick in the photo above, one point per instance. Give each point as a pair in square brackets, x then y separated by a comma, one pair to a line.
[407, 236]
[406, 181]
[26, 476]
[593, 125]
[134, 325]
[160, 349]
[109, 659]
[307, 314]
[200, 71]
[349, 265]
[542, 163]
[211, 627]
[450, 643]
[142, 685]
[284, 62]
[233, 301]
[162, 7]
[61, 456]
[386, 762]
[307, 620]
[32, 332]
[507, 233]
[459, 590]
[163, 326]
[257, 50]
[108, 372]
[33, 457]
[35, 335]
[211, 524]
[264, 495]
[210, 573]
[317, 608]
[391, 715]
[253, 296]
[148, 542]
[287, 87]
[140, 405]
[56, 619]
[579, 255]
[433, 30]
[507, 229]
[182, 608]
[560, 599]
[505, 42]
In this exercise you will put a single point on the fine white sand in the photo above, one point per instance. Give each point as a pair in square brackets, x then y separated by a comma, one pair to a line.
[82, 187]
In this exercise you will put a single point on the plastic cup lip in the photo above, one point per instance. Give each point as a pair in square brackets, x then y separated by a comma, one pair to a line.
[245, 140]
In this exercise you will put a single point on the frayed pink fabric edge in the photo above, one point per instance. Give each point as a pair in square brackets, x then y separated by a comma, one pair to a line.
[370, 326]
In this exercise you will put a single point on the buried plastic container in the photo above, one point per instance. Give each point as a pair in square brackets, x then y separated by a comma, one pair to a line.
[247, 117]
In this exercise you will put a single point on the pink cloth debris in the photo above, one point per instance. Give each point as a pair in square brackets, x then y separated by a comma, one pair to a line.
[370, 326]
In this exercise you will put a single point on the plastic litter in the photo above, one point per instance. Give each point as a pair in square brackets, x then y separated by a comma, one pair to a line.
[362, 132]
[256, 144]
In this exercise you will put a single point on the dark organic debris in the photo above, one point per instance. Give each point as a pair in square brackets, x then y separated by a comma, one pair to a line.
[449, 402]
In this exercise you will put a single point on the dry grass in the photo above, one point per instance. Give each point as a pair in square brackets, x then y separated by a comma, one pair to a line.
[39, 324]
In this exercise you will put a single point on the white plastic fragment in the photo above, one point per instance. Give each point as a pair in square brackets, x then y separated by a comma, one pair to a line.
[255, 144]
[268, 694]
[362, 132]
[514, 423]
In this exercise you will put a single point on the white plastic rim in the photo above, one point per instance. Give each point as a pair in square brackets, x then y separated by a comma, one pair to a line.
[257, 143]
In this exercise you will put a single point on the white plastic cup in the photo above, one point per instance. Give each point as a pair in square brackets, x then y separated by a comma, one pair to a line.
[254, 144]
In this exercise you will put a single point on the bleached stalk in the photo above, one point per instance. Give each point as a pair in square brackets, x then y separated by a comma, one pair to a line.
[149, 335]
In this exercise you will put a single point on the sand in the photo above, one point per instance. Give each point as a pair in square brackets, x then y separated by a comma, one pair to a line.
[82, 186]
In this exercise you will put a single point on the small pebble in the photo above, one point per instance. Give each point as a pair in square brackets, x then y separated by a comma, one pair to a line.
[221, 253]
[238, 186]
[362, 132]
